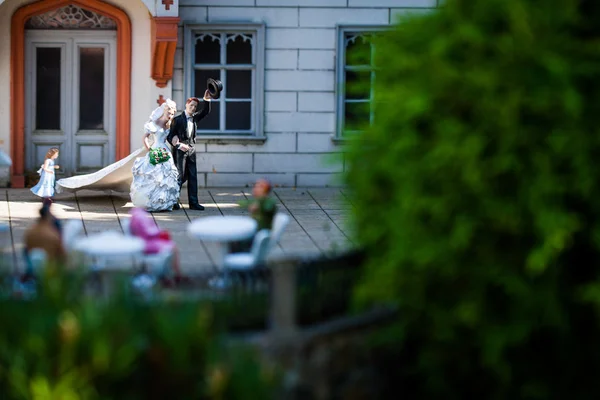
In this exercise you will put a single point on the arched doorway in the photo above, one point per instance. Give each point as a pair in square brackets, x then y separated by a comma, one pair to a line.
[88, 129]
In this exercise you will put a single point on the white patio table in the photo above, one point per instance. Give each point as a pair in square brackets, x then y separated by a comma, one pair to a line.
[111, 245]
[222, 230]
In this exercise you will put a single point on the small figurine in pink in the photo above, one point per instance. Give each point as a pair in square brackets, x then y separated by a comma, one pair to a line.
[157, 241]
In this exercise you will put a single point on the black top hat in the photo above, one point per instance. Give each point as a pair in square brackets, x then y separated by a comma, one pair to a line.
[214, 87]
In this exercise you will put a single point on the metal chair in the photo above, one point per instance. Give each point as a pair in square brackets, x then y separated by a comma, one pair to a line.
[71, 229]
[257, 254]
[280, 222]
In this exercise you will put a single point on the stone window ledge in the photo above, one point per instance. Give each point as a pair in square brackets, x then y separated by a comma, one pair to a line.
[339, 140]
[231, 139]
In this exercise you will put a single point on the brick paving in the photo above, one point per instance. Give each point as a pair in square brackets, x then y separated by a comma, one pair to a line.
[318, 222]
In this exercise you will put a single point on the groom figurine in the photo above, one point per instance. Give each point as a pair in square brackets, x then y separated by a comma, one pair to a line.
[182, 138]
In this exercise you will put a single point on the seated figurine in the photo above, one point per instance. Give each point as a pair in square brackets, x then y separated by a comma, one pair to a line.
[143, 226]
[262, 209]
[55, 221]
[157, 241]
[44, 235]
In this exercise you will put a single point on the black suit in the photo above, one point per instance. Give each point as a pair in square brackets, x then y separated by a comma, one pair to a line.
[186, 160]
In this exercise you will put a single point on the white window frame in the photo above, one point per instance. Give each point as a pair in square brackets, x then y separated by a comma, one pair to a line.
[340, 92]
[258, 72]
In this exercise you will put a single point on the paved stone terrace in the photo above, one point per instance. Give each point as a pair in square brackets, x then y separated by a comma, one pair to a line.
[318, 224]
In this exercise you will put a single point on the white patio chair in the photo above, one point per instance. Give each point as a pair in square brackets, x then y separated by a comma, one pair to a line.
[160, 264]
[71, 229]
[280, 221]
[125, 223]
[257, 254]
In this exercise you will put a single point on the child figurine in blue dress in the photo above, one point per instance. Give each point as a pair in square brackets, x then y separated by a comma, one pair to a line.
[45, 187]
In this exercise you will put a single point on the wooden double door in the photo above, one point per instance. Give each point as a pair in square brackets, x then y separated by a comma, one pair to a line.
[70, 85]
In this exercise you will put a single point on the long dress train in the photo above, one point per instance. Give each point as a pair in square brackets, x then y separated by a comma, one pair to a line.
[116, 176]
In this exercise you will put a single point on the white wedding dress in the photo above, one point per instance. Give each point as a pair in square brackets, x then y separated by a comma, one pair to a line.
[155, 187]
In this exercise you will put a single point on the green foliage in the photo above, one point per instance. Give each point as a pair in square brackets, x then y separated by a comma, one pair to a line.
[477, 198]
[65, 346]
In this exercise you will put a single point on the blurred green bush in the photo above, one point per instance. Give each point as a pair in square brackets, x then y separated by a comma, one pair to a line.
[62, 345]
[478, 200]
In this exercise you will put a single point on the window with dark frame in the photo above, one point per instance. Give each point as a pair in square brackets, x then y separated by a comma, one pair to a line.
[357, 79]
[231, 58]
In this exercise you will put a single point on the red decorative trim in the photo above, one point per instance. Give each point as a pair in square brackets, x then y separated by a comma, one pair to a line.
[17, 75]
[164, 43]
[167, 4]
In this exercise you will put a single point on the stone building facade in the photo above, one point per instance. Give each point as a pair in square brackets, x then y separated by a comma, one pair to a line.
[84, 75]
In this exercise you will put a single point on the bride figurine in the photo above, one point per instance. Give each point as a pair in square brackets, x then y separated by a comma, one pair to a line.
[117, 176]
[155, 186]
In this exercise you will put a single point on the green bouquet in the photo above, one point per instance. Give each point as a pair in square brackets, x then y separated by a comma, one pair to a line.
[158, 155]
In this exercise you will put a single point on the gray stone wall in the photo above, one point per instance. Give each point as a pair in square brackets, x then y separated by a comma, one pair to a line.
[299, 90]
